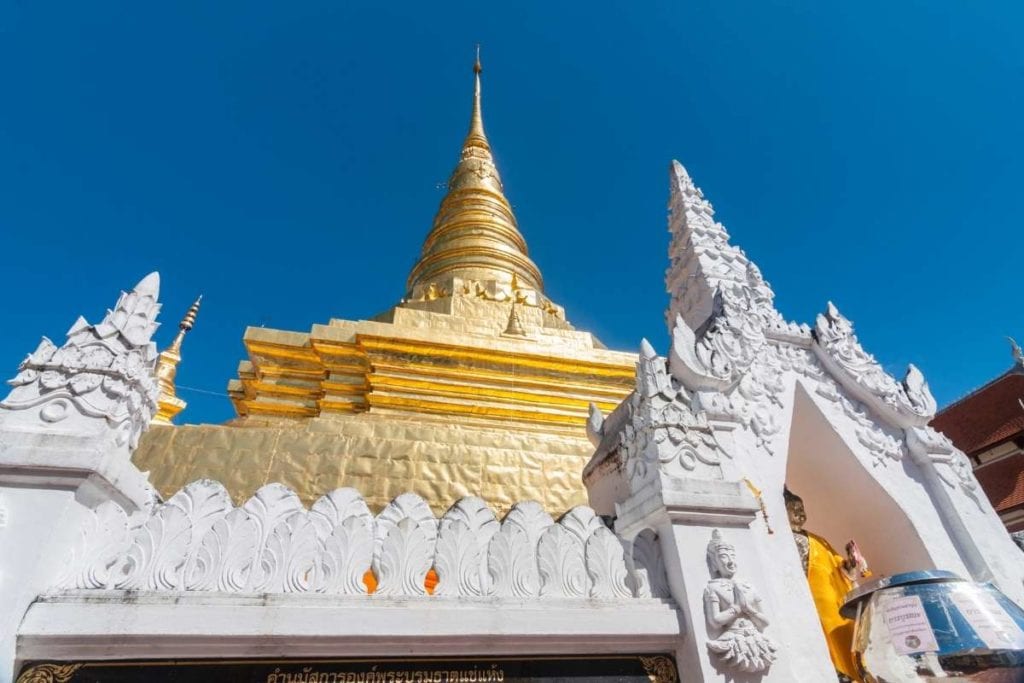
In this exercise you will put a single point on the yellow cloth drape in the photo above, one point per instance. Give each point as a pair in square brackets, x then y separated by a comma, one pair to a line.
[829, 586]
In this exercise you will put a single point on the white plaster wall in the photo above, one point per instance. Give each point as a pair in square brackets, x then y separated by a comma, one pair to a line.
[42, 527]
[145, 624]
[884, 507]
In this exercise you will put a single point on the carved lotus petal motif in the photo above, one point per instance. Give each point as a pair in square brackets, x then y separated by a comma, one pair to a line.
[204, 571]
[606, 566]
[69, 357]
[105, 540]
[531, 518]
[462, 546]
[52, 379]
[43, 353]
[458, 560]
[204, 502]
[477, 515]
[512, 562]
[404, 560]
[96, 358]
[581, 522]
[158, 552]
[26, 376]
[232, 550]
[118, 388]
[134, 316]
[271, 505]
[291, 562]
[560, 561]
[134, 365]
[406, 506]
[336, 507]
[348, 555]
[85, 382]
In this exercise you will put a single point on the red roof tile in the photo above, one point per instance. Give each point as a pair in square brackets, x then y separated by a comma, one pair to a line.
[986, 417]
[1003, 482]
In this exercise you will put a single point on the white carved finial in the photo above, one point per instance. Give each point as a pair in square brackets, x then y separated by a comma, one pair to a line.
[918, 392]
[1018, 355]
[651, 373]
[101, 379]
[134, 316]
[702, 262]
[725, 306]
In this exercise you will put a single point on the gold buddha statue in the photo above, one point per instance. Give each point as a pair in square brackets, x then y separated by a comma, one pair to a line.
[831, 576]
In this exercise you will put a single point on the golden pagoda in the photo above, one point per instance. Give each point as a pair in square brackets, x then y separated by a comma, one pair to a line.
[475, 383]
[169, 404]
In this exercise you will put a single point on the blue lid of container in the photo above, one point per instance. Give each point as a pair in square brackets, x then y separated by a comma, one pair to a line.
[862, 592]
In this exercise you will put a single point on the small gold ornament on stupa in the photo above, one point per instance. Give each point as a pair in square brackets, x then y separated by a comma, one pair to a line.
[169, 405]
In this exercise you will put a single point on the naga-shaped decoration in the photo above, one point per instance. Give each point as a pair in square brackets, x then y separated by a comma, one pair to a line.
[908, 403]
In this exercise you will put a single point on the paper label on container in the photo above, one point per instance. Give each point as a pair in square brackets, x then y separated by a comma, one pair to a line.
[994, 626]
[908, 626]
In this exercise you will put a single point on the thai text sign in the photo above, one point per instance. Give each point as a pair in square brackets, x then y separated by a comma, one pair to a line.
[908, 625]
[589, 669]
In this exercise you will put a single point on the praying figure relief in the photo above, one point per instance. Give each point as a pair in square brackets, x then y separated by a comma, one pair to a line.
[733, 610]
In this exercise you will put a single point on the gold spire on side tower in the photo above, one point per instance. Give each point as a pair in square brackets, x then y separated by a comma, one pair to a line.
[475, 235]
[169, 405]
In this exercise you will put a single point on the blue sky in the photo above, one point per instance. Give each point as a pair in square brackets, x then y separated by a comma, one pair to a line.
[286, 160]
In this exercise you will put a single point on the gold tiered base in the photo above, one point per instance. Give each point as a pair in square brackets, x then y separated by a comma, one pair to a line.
[432, 397]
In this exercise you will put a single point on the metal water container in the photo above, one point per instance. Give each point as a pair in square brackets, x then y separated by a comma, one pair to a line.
[935, 626]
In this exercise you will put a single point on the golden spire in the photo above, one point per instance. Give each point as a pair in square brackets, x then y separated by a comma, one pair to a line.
[475, 235]
[169, 404]
[476, 136]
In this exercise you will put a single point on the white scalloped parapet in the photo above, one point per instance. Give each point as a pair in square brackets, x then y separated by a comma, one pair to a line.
[103, 374]
[198, 541]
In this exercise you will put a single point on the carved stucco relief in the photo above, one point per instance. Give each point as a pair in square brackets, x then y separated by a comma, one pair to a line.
[735, 616]
[102, 371]
[198, 541]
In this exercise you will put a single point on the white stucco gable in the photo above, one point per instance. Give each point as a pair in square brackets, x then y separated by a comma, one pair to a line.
[745, 403]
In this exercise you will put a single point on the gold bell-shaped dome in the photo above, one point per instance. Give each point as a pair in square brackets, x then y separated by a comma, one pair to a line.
[475, 235]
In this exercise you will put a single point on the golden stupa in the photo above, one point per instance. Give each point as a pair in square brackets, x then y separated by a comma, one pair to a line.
[474, 384]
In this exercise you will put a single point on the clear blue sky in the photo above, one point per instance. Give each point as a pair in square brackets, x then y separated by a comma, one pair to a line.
[286, 159]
